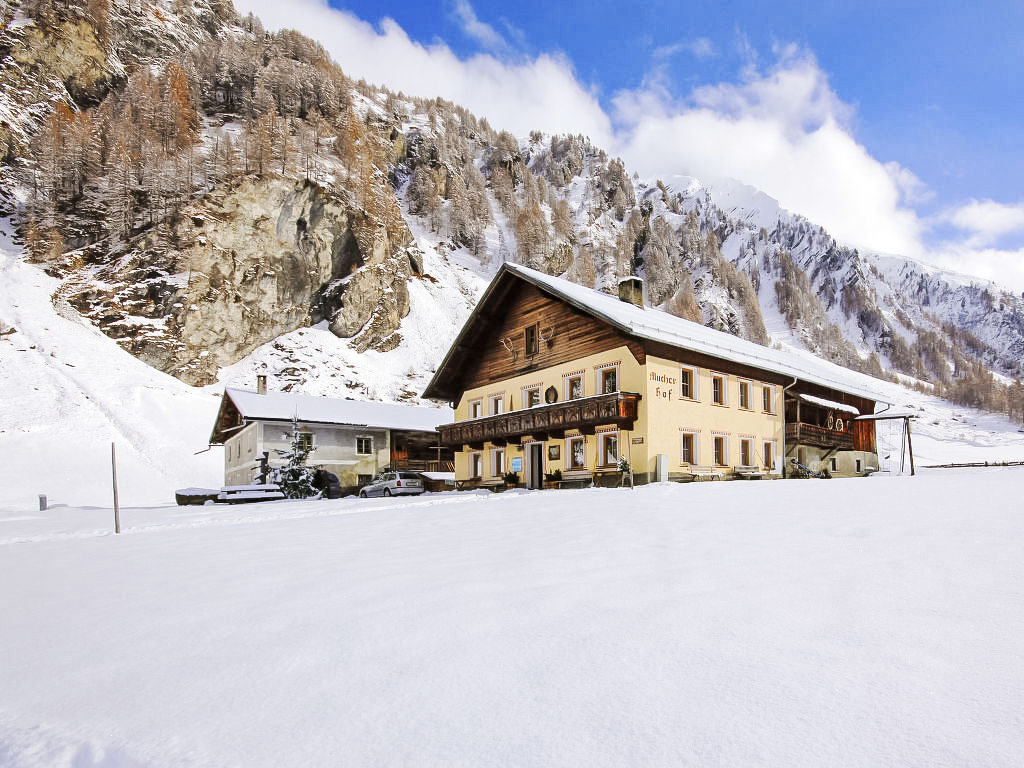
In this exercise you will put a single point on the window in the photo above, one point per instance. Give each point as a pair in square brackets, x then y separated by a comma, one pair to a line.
[475, 464]
[498, 462]
[721, 451]
[496, 404]
[833, 464]
[745, 452]
[305, 439]
[688, 454]
[768, 398]
[364, 445]
[769, 455]
[362, 480]
[531, 397]
[476, 409]
[576, 454]
[745, 396]
[532, 345]
[574, 387]
[718, 390]
[688, 383]
[858, 465]
[609, 378]
[609, 449]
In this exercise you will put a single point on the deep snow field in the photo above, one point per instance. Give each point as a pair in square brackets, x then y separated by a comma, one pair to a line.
[862, 622]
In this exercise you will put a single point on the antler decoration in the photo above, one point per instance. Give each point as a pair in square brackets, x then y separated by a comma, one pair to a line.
[506, 342]
[546, 334]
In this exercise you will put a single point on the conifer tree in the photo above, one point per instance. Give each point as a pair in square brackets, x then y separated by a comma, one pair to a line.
[295, 478]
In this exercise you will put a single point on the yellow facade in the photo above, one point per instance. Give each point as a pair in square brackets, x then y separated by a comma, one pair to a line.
[664, 415]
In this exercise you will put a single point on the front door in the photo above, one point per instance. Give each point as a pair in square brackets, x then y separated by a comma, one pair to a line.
[535, 465]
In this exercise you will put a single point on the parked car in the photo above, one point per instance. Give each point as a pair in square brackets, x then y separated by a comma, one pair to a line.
[393, 484]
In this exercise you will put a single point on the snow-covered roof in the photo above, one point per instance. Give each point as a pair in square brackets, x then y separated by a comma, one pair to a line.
[830, 404]
[282, 406]
[656, 325]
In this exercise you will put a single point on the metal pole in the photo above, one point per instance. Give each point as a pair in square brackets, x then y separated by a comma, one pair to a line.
[113, 469]
[910, 446]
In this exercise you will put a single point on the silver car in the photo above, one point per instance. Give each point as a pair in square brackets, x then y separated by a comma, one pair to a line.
[393, 484]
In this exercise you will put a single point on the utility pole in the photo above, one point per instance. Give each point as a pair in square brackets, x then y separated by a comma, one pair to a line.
[113, 469]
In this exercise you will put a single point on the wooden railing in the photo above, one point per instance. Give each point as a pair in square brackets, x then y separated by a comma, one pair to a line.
[799, 433]
[544, 421]
[421, 465]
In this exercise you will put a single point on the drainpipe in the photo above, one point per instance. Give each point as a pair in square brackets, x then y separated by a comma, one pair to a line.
[783, 455]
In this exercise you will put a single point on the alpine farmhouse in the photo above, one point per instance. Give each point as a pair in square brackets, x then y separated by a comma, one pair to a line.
[549, 375]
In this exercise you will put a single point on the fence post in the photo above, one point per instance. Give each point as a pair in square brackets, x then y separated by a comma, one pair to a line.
[113, 469]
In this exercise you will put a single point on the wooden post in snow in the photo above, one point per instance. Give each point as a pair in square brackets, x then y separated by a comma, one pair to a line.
[910, 446]
[113, 469]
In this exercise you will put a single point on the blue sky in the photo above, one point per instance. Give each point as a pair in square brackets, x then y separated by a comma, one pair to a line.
[895, 125]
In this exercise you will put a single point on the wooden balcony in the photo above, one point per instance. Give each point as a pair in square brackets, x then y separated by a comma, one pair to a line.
[798, 433]
[544, 421]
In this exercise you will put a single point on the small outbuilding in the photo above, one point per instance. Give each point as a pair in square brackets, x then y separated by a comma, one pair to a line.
[352, 439]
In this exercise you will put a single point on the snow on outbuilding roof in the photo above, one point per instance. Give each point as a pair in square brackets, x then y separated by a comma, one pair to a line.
[281, 406]
[831, 404]
[660, 326]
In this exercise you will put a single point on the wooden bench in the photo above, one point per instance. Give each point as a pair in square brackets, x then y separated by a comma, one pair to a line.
[576, 480]
[750, 472]
[704, 473]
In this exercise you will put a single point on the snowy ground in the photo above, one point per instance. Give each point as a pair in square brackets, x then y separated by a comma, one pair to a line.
[861, 622]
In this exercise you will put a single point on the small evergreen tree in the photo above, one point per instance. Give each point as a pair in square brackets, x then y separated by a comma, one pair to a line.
[295, 478]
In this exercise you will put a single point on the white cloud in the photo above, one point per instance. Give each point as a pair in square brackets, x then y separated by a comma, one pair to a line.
[540, 93]
[985, 221]
[478, 30]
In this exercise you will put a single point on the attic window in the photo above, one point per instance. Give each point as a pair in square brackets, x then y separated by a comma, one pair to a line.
[532, 345]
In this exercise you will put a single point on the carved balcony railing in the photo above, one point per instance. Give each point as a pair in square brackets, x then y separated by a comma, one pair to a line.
[544, 421]
[798, 433]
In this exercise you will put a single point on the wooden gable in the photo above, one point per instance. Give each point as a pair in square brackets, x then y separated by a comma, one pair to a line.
[493, 346]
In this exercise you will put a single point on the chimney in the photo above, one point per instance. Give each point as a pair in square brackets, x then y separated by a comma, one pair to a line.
[631, 290]
[261, 384]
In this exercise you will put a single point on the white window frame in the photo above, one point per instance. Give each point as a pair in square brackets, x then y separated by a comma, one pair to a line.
[833, 464]
[749, 443]
[764, 457]
[725, 450]
[599, 370]
[498, 467]
[602, 438]
[476, 401]
[725, 389]
[694, 383]
[476, 457]
[569, 466]
[695, 452]
[526, 395]
[770, 389]
[498, 398]
[739, 394]
[364, 437]
[567, 378]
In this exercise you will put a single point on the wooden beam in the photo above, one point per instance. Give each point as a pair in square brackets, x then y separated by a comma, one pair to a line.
[910, 445]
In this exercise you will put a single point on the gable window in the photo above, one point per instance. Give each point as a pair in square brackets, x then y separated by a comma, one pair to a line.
[497, 462]
[608, 449]
[475, 464]
[745, 451]
[576, 452]
[718, 389]
[574, 386]
[364, 445]
[721, 451]
[476, 409]
[769, 454]
[745, 396]
[688, 383]
[768, 398]
[496, 404]
[687, 448]
[532, 344]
